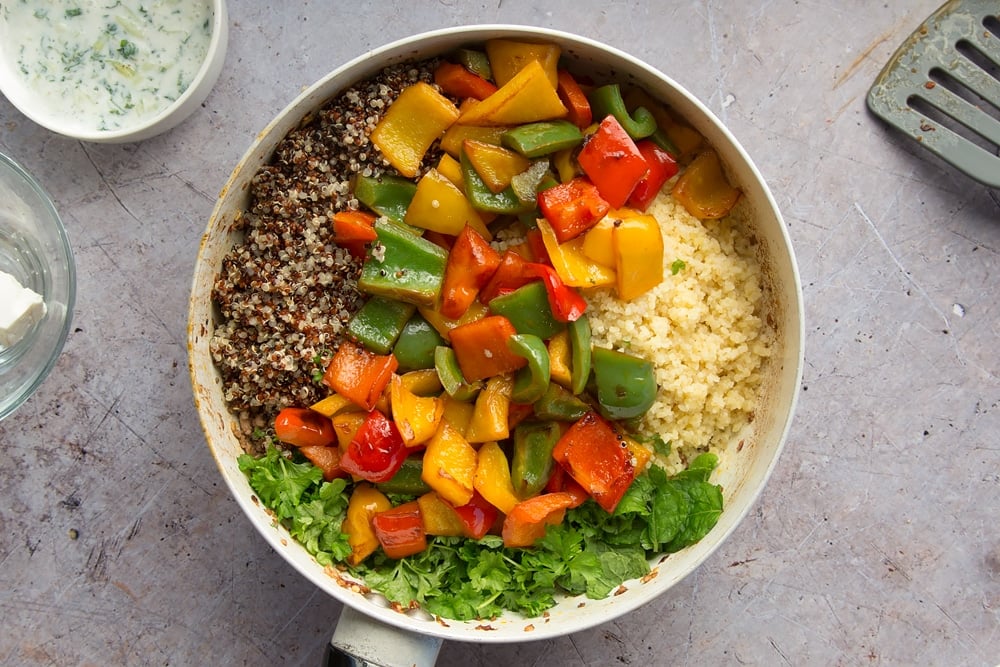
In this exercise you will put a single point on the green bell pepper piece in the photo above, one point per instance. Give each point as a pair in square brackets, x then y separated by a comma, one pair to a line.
[661, 139]
[528, 310]
[626, 385]
[530, 382]
[527, 184]
[484, 199]
[580, 353]
[379, 323]
[407, 481]
[532, 462]
[558, 404]
[414, 349]
[403, 266]
[450, 374]
[543, 138]
[476, 62]
[608, 100]
[386, 195]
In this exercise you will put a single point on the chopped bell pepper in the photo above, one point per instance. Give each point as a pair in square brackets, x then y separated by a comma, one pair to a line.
[358, 374]
[559, 404]
[400, 530]
[303, 427]
[514, 272]
[543, 138]
[458, 413]
[527, 522]
[528, 310]
[559, 359]
[531, 464]
[444, 325]
[626, 385]
[478, 516]
[475, 61]
[638, 245]
[531, 382]
[492, 479]
[439, 516]
[403, 266]
[379, 322]
[456, 136]
[484, 199]
[331, 405]
[662, 167]
[412, 123]
[450, 465]
[377, 450]
[471, 263]
[574, 267]
[490, 417]
[416, 417]
[326, 459]
[612, 162]
[423, 382]
[517, 413]
[566, 166]
[607, 100]
[581, 353]
[508, 57]
[495, 165]
[572, 207]
[346, 426]
[414, 349]
[354, 230]
[458, 81]
[566, 304]
[596, 457]
[529, 182]
[572, 95]
[481, 348]
[387, 195]
[528, 97]
[703, 188]
[598, 242]
[365, 502]
[561, 482]
[682, 141]
[407, 481]
[450, 168]
[450, 374]
[439, 205]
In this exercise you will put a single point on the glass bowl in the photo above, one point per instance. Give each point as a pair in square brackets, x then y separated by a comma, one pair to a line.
[35, 250]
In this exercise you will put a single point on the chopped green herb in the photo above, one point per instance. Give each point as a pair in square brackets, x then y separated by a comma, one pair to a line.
[127, 49]
[76, 11]
[677, 266]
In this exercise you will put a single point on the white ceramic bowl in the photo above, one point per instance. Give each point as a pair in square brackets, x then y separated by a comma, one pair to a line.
[742, 475]
[39, 107]
[34, 249]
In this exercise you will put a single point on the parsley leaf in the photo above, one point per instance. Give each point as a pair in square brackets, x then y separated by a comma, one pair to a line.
[278, 482]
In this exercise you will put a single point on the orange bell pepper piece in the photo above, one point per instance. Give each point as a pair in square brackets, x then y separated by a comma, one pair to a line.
[326, 459]
[366, 501]
[612, 162]
[596, 457]
[572, 207]
[575, 99]
[359, 375]
[303, 427]
[703, 188]
[478, 516]
[527, 521]
[481, 348]
[400, 530]
[457, 81]
[471, 263]
[354, 229]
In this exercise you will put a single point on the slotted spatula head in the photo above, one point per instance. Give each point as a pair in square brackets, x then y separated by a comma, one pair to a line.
[942, 87]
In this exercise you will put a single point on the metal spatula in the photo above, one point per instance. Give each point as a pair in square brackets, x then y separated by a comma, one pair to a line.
[942, 87]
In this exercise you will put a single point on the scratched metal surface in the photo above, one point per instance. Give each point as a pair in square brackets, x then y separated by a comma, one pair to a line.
[875, 542]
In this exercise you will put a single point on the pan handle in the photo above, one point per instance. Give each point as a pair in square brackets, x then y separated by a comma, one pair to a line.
[361, 641]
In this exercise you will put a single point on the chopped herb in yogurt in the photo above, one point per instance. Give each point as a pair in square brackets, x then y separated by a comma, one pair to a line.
[104, 66]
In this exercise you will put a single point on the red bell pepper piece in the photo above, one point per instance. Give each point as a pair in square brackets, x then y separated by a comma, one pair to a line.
[354, 229]
[573, 207]
[566, 304]
[662, 167]
[517, 413]
[574, 99]
[377, 450]
[459, 82]
[481, 348]
[478, 516]
[471, 263]
[359, 375]
[303, 427]
[537, 246]
[596, 457]
[326, 459]
[510, 275]
[527, 522]
[400, 531]
[561, 482]
[612, 162]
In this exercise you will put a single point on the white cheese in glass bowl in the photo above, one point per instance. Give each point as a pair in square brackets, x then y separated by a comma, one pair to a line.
[21, 308]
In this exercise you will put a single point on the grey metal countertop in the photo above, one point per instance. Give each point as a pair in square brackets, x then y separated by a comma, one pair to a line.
[875, 542]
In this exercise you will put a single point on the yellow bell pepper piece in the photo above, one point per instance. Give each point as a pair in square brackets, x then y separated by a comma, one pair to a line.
[638, 245]
[439, 205]
[451, 169]
[457, 413]
[443, 325]
[346, 425]
[508, 57]
[492, 409]
[332, 404]
[439, 517]
[492, 479]
[566, 165]
[423, 382]
[450, 465]
[641, 455]
[526, 98]
[703, 188]
[560, 355]
[366, 501]
[571, 263]
[597, 244]
[496, 165]
[456, 135]
[416, 417]
[413, 122]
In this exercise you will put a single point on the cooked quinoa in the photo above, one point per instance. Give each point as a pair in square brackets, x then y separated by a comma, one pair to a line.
[703, 327]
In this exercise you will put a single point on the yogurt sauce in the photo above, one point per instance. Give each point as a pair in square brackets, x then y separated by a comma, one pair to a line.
[106, 64]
